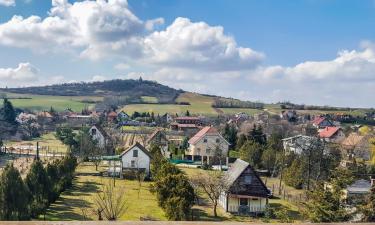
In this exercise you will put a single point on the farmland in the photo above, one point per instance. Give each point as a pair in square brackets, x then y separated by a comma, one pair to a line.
[45, 102]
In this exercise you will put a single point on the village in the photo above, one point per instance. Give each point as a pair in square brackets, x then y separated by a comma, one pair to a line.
[232, 167]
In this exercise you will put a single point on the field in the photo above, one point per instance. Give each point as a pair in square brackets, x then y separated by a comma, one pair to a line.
[59, 103]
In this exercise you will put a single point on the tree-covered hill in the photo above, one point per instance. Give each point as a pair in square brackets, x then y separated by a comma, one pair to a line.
[130, 88]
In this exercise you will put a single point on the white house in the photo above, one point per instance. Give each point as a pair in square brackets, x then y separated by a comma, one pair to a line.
[136, 157]
[247, 194]
[123, 116]
[100, 135]
[205, 144]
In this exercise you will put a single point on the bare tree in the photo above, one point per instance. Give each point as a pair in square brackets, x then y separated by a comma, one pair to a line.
[110, 202]
[213, 184]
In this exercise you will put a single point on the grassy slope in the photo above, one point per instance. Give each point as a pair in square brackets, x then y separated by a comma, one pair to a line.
[44, 102]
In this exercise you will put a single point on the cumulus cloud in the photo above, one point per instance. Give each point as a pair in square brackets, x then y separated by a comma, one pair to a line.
[187, 44]
[7, 2]
[87, 25]
[21, 75]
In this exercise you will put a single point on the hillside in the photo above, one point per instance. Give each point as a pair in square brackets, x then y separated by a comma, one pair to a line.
[134, 89]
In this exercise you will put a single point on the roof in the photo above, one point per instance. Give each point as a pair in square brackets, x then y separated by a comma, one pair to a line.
[318, 120]
[328, 132]
[236, 170]
[359, 187]
[257, 188]
[186, 125]
[45, 114]
[203, 132]
[138, 145]
[101, 130]
[112, 114]
[352, 140]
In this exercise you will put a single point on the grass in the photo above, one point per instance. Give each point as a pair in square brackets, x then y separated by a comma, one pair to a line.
[237, 110]
[276, 203]
[46, 140]
[45, 102]
[77, 202]
[149, 99]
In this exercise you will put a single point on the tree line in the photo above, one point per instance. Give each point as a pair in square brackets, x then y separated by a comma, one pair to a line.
[235, 103]
[29, 198]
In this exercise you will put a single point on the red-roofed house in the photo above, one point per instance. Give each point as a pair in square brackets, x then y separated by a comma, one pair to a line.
[322, 122]
[332, 134]
[205, 144]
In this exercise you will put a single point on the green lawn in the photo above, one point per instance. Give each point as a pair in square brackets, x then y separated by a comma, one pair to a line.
[59, 103]
[237, 110]
[149, 99]
[77, 202]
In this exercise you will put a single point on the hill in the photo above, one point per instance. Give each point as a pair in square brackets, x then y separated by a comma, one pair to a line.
[134, 90]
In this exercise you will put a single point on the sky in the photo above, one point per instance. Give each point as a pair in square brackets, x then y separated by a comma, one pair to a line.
[319, 52]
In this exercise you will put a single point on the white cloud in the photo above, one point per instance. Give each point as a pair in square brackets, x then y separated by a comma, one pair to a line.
[98, 78]
[87, 25]
[22, 75]
[186, 44]
[8, 3]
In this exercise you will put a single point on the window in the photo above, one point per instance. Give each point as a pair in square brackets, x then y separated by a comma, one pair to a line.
[135, 153]
[132, 163]
[243, 201]
[198, 151]
[217, 140]
[93, 131]
[205, 140]
[208, 151]
[247, 179]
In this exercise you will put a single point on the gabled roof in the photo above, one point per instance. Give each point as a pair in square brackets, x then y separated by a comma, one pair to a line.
[153, 135]
[328, 132]
[101, 130]
[318, 120]
[236, 170]
[138, 145]
[203, 132]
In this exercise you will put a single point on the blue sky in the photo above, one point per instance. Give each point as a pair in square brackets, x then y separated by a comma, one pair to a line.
[312, 51]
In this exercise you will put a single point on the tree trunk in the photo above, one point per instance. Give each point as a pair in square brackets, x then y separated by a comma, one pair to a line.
[215, 212]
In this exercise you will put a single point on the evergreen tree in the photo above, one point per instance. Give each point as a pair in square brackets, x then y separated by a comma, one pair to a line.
[8, 112]
[294, 174]
[40, 186]
[187, 113]
[256, 134]
[14, 195]
[241, 141]
[252, 152]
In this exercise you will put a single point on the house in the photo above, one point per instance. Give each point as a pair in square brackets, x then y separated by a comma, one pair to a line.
[159, 137]
[357, 146]
[112, 116]
[187, 124]
[320, 122]
[136, 157]
[166, 118]
[100, 135]
[205, 144]
[332, 134]
[289, 115]
[357, 192]
[238, 119]
[247, 194]
[298, 143]
[123, 116]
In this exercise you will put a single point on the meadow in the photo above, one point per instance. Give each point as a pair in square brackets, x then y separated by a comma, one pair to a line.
[45, 102]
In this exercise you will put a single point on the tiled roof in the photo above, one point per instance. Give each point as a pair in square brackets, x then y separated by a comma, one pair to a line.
[328, 132]
[201, 133]
[318, 120]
